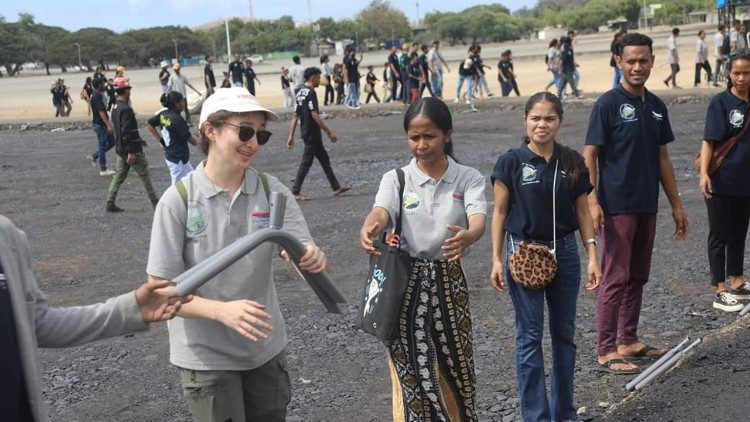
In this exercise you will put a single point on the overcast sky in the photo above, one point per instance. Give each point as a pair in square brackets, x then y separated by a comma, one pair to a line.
[120, 15]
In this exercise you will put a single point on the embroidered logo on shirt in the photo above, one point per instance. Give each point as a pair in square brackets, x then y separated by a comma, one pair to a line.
[411, 202]
[260, 218]
[658, 116]
[458, 197]
[736, 118]
[627, 112]
[197, 219]
[529, 174]
[3, 283]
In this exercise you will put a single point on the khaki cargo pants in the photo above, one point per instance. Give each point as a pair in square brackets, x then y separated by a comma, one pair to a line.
[260, 394]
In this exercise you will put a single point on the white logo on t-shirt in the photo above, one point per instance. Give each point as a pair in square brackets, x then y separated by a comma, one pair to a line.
[627, 112]
[736, 118]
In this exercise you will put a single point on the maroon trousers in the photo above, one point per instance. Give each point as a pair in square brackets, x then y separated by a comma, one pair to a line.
[627, 243]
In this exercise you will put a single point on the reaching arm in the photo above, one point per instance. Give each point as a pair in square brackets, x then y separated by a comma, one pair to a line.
[331, 134]
[292, 129]
[375, 222]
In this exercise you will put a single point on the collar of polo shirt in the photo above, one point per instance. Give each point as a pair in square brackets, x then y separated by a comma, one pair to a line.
[450, 175]
[528, 155]
[248, 187]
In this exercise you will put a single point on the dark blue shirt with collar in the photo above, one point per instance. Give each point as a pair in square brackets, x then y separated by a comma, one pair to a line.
[529, 180]
[629, 132]
[724, 118]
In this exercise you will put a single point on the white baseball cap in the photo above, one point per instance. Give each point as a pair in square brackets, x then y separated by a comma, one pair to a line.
[236, 100]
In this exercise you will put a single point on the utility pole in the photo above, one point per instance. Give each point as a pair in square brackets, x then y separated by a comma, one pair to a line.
[79, 55]
[176, 54]
[229, 46]
[251, 10]
[417, 12]
[309, 12]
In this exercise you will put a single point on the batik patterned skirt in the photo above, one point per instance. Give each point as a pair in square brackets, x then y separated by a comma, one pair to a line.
[431, 360]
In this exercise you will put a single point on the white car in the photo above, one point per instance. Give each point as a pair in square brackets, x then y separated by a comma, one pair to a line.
[256, 58]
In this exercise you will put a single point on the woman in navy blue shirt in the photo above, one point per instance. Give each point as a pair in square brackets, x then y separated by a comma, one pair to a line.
[726, 190]
[523, 180]
[174, 135]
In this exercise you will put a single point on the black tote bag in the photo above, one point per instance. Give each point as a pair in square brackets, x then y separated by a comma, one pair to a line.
[385, 284]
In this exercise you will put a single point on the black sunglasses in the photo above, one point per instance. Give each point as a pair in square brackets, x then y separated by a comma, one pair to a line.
[246, 133]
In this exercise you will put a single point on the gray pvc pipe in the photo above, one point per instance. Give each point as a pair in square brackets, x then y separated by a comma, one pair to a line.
[328, 293]
[665, 367]
[745, 310]
[654, 366]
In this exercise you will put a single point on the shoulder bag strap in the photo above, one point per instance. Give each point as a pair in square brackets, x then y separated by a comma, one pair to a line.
[554, 209]
[401, 183]
[720, 153]
[180, 186]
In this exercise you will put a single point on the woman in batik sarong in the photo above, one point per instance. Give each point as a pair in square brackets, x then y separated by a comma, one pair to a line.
[431, 359]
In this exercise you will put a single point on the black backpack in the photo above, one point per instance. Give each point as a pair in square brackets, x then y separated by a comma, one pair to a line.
[726, 46]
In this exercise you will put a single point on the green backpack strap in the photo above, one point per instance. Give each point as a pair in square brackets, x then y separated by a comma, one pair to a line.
[184, 195]
[182, 191]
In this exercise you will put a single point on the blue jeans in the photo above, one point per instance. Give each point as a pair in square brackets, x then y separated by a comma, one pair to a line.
[353, 97]
[469, 86]
[105, 141]
[437, 83]
[615, 78]
[561, 296]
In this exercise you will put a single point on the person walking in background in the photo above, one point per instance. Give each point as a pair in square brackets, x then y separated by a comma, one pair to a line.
[297, 74]
[129, 146]
[425, 72]
[178, 82]
[174, 135]
[431, 360]
[726, 190]
[86, 91]
[552, 59]
[351, 77]
[66, 98]
[523, 181]
[626, 140]
[616, 49]
[229, 346]
[466, 74]
[403, 64]
[481, 79]
[701, 59]
[338, 79]
[327, 81]
[506, 75]
[102, 127]
[57, 100]
[371, 85]
[721, 51]
[307, 113]
[226, 81]
[386, 82]
[673, 59]
[414, 71]
[287, 95]
[209, 79]
[237, 71]
[163, 77]
[436, 63]
[395, 79]
[250, 77]
[568, 68]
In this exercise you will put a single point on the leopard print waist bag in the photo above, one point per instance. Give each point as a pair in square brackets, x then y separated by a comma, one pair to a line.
[533, 265]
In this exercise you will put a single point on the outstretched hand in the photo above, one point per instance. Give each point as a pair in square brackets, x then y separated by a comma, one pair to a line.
[366, 235]
[454, 246]
[158, 300]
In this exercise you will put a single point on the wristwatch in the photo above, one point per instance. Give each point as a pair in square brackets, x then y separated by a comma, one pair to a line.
[591, 241]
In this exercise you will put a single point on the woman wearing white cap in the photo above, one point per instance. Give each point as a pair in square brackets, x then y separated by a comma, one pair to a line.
[229, 344]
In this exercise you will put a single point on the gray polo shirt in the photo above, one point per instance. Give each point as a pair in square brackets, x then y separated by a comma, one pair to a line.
[430, 206]
[182, 237]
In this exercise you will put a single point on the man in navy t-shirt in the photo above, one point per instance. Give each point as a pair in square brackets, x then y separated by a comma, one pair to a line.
[627, 137]
[308, 113]
[237, 71]
[250, 76]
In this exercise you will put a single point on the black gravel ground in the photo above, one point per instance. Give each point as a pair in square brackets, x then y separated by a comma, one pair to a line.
[85, 255]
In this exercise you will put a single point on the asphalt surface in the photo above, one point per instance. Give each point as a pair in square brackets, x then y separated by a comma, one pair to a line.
[83, 255]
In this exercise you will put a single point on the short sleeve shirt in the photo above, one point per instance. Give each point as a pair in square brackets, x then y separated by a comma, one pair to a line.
[175, 133]
[209, 71]
[506, 67]
[430, 206]
[393, 60]
[181, 237]
[236, 69]
[568, 59]
[629, 133]
[98, 103]
[352, 72]
[436, 59]
[467, 67]
[718, 43]
[553, 58]
[725, 117]
[178, 83]
[250, 76]
[13, 400]
[306, 103]
[672, 56]
[529, 179]
[297, 73]
[162, 74]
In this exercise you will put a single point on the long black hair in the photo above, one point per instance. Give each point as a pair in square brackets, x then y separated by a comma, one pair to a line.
[572, 162]
[435, 110]
[171, 98]
[732, 59]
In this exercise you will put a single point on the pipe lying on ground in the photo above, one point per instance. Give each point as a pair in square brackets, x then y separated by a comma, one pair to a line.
[654, 366]
[745, 310]
[328, 293]
[666, 366]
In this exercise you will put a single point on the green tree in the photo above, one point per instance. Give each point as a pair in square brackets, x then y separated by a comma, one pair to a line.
[380, 21]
